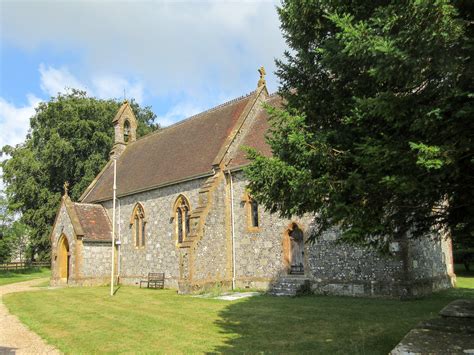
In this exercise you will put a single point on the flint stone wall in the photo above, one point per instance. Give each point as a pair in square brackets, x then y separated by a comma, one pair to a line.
[330, 267]
[96, 263]
[416, 268]
[259, 254]
[160, 253]
[211, 253]
[343, 269]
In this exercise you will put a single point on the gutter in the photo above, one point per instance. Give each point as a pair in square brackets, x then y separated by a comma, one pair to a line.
[154, 187]
[232, 228]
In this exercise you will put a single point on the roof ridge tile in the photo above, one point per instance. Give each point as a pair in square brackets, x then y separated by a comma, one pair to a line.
[212, 109]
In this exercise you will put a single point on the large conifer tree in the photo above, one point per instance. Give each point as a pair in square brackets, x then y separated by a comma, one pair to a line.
[377, 134]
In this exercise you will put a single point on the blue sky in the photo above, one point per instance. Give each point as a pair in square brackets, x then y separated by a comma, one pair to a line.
[180, 57]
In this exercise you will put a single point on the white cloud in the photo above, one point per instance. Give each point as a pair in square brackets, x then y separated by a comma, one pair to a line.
[114, 86]
[15, 121]
[57, 80]
[173, 47]
[14, 124]
[178, 112]
[192, 105]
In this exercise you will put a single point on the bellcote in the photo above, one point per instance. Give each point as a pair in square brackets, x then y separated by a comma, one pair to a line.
[125, 129]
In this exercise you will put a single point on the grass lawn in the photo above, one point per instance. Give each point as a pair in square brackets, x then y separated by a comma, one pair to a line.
[12, 276]
[88, 320]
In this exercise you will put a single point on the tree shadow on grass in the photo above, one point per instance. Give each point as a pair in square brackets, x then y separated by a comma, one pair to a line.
[325, 324]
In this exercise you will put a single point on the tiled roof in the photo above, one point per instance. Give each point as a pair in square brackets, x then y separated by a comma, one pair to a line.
[255, 136]
[94, 221]
[181, 151]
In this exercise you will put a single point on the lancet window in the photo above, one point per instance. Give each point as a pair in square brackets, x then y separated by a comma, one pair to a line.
[126, 131]
[182, 211]
[138, 224]
[253, 216]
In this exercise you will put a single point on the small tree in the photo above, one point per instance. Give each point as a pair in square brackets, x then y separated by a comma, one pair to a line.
[377, 134]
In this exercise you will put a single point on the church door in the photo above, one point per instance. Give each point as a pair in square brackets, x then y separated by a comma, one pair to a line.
[63, 259]
[296, 252]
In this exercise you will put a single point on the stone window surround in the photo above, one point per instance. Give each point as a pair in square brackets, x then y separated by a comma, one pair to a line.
[138, 214]
[181, 204]
[247, 200]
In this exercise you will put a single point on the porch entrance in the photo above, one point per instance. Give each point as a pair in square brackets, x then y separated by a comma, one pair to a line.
[63, 258]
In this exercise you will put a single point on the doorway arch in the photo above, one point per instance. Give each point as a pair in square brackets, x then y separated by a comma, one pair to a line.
[63, 258]
[293, 249]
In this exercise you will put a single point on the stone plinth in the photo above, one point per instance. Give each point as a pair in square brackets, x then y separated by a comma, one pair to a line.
[453, 333]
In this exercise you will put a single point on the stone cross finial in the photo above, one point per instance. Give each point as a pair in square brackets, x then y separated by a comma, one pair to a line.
[261, 81]
[66, 188]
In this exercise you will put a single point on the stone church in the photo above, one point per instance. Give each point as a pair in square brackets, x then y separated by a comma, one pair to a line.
[183, 209]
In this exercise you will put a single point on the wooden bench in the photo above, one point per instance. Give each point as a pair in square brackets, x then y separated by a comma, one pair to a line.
[154, 280]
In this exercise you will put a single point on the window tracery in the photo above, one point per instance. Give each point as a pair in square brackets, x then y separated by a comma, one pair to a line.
[182, 213]
[138, 223]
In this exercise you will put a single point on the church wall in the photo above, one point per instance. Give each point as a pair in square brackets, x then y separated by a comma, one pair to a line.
[160, 253]
[411, 269]
[63, 226]
[258, 254]
[332, 268]
[343, 269]
[431, 264]
[212, 254]
[96, 263]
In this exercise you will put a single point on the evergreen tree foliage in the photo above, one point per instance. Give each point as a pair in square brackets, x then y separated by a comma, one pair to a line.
[70, 140]
[376, 136]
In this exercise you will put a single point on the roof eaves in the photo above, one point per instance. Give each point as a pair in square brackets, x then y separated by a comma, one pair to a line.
[103, 241]
[237, 168]
[154, 187]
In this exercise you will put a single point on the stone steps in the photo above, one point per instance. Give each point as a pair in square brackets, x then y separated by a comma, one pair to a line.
[288, 285]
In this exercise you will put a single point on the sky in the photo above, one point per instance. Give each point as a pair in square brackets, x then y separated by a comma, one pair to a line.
[179, 57]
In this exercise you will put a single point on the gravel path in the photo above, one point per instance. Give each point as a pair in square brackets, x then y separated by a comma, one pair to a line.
[15, 337]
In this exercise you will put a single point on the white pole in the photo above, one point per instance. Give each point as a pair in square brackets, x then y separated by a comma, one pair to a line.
[233, 228]
[113, 230]
[119, 237]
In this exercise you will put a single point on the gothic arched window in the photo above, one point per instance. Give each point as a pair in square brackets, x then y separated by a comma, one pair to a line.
[138, 222]
[182, 213]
